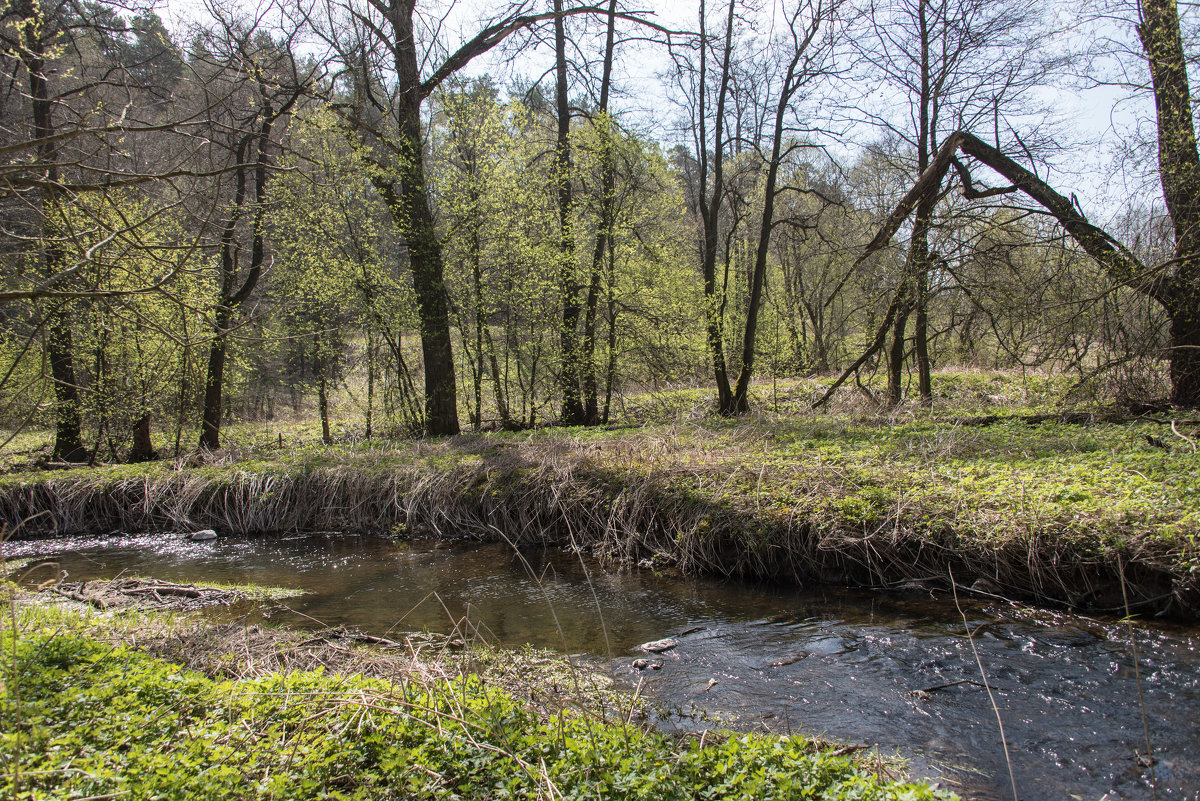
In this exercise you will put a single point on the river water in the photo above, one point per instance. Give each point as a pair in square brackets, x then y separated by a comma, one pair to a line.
[890, 670]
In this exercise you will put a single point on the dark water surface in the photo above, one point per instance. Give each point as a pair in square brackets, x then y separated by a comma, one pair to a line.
[845, 664]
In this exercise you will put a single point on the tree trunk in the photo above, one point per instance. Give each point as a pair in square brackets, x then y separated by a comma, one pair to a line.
[740, 401]
[214, 383]
[921, 338]
[571, 367]
[604, 228]
[1179, 172]
[68, 440]
[1185, 351]
[895, 359]
[230, 300]
[710, 211]
[610, 370]
[413, 217]
[323, 404]
[370, 381]
[143, 446]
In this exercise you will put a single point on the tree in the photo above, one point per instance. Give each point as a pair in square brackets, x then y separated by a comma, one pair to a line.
[389, 94]
[1175, 285]
[263, 83]
[951, 64]
[795, 60]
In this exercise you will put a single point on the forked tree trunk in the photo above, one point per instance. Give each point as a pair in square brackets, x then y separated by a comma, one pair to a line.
[230, 299]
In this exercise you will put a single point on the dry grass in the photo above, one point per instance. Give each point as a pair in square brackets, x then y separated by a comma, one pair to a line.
[1041, 509]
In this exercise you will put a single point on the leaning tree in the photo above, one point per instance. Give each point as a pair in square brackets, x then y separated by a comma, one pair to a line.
[1174, 284]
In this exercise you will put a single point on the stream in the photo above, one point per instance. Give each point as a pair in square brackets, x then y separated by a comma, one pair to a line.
[893, 670]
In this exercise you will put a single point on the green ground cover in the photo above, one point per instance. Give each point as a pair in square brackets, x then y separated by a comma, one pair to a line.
[87, 715]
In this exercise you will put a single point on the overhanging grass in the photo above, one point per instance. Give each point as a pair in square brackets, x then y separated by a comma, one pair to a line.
[1046, 509]
[84, 718]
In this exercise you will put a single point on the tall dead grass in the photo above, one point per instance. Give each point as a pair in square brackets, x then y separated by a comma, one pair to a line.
[658, 510]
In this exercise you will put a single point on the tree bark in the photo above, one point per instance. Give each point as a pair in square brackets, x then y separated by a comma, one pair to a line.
[710, 210]
[143, 446]
[895, 354]
[214, 383]
[921, 336]
[570, 365]
[1179, 173]
[604, 227]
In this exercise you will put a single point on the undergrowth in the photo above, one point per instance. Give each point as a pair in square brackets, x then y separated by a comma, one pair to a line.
[86, 718]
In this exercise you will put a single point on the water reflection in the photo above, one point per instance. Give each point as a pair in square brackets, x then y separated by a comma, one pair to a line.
[891, 670]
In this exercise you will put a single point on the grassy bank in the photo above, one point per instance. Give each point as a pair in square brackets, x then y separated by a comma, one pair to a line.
[994, 483]
[86, 714]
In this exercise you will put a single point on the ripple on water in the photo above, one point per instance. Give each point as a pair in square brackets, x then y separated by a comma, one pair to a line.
[892, 670]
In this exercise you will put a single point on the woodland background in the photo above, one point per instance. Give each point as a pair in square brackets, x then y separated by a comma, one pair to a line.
[347, 206]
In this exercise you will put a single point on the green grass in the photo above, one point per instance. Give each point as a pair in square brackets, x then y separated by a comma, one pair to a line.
[86, 718]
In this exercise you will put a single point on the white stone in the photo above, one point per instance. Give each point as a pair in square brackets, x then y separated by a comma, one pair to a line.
[203, 535]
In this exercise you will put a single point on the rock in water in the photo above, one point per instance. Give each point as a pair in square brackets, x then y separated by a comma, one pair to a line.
[658, 646]
[202, 535]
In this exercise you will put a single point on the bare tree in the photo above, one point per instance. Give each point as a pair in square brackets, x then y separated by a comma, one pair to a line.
[942, 64]
[795, 60]
[1175, 284]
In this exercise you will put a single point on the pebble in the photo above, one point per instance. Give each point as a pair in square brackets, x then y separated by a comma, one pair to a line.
[203, 535]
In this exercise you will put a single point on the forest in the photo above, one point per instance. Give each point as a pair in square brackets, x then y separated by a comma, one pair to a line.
[273, 207]
[742, 399]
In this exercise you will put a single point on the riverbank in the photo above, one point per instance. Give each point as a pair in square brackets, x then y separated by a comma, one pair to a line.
[147, 706]
[1081, 510]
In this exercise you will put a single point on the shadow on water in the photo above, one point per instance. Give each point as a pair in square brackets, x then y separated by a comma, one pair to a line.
[891, 670]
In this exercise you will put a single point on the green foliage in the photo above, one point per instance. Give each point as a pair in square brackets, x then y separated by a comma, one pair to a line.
[86, 719]
[132, 342]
